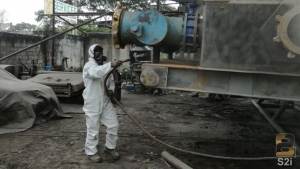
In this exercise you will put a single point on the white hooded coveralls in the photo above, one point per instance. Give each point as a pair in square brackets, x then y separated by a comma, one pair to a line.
[97, 105]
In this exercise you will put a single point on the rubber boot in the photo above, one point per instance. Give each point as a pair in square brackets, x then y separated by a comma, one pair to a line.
[113, 153]
[95, 158]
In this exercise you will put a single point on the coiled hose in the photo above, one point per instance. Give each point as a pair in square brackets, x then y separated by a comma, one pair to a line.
[170, 146]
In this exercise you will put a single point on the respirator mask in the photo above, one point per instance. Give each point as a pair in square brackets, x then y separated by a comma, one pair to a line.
[101, 60]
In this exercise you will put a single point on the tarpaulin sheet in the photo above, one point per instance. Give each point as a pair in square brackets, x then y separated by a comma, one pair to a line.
[23, 104]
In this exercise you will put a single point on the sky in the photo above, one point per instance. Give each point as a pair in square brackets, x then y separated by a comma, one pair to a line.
[21, 10]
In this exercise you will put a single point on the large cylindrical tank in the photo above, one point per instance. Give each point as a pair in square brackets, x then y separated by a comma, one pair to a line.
[146, 28]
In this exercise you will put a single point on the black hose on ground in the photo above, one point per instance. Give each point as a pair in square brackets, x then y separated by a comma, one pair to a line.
[172, 147]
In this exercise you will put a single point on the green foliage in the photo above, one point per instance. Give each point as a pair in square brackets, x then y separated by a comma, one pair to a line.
[22, 27]
[93, 29]
[39, 15]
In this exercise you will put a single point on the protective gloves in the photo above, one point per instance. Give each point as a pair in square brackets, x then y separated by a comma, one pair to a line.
[110, 93]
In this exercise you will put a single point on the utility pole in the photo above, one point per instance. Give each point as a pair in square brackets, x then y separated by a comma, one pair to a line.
[75, 4]
[53, 32]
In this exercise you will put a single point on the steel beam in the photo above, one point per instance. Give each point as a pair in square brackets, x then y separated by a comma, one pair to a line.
[79, 14]
[156, 54]
[194, 78]
[170, 55]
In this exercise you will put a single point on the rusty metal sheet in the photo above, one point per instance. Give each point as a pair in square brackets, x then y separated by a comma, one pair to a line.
[183, 78]
[240, 37]
[231, 83]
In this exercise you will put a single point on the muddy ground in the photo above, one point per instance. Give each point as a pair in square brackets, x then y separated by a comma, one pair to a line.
[236, 129]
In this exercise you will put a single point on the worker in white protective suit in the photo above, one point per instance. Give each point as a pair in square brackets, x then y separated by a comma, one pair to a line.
[97, 105]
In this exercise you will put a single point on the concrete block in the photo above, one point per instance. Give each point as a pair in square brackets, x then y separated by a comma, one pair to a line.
[38, 55]
[17, 45]
[25, 53]
[24, 45]
[34, 53]
[20, 55]
[7, 49]
[40, 61]
[3, 48]
[3, 53]
[36, 59]
[3, 43]
[12, 49]
[39, 58]
[28, 53]
[30, 57]
[25, 57]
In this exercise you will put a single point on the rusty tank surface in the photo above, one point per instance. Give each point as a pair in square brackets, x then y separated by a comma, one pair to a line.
[236, 47]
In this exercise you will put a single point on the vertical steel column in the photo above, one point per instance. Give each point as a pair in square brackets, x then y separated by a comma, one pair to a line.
[170, 55]
[156, 54]
[53, 33]
[76, 4]
[157, 6]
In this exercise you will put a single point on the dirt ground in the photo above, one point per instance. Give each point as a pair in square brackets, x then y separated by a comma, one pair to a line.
[225, 128]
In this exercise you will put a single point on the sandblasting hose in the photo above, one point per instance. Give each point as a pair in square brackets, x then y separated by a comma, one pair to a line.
[172, 147]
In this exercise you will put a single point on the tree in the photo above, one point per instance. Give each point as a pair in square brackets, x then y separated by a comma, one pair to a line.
[3, 20]
[100, 6]
[22, 27]
[62, 26]
[39, 15]
[109, 5]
